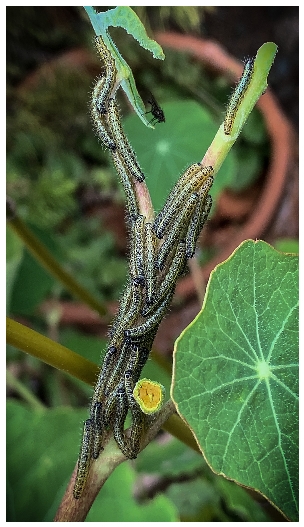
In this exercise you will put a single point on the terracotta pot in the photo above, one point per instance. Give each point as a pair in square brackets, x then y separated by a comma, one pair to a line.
[281, 136]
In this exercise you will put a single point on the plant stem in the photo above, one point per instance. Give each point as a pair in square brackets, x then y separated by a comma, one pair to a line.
[45, 258]
[51, 352]
[23, 391]
[100, 470]
[63, 359]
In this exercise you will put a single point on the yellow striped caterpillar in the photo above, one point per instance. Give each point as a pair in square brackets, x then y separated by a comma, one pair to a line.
[100, 99]
[84, 459]
[196, 224]
[137, 250]
[98, 120]
[125, 150]
[177, 231]
[137, 415]
[139, 332]
[194, 177]
[149, 262]
[128, 186]
[118, 426]
[237, 96]
[98, 429]
[168, 284]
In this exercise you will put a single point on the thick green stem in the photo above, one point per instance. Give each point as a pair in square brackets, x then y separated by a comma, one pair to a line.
[51, 352]
[46, 259]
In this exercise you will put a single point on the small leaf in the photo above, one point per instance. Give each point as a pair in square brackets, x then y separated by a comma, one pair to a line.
[125, 17]
[115, 502]
[236, 373]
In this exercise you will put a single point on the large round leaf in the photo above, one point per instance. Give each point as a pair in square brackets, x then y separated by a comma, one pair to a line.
[164, 153]
[42, 448]
[236, 373]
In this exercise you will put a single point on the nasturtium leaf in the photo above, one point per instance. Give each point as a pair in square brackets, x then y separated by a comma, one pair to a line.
[170, 459]
[165, 153]
[116, 502]
[42, 449]
[32, 282]
[287, 245]
[235, 377]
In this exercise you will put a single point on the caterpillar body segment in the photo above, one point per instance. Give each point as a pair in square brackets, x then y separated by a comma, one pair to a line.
[118, 426]
[125, 150]
[200, 176]
[197, 222]
[149, 262]
[128, 186]
[109, 77]
[178, 230]
[84, 459]
[137, 244]
[238, 95]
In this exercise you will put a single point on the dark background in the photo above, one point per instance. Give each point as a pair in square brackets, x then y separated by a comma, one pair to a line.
[37, 34]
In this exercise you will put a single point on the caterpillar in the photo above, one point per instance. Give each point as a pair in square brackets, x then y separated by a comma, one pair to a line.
[128, 186]
[118, 369]
[149, 262]
[197, 222]
[156, 111]
[83, 460]
[136, 413]
[139, 332]
[98, 120]
[237, 96]
[118, 426]
[194, 178]
[109, 79]
[110, 407]
[168, 284]
[129, 318]
[97, 425]
[143, 357]
[137, 250]
[178, 230]
[123, 306]
[108, 359]
[125, 149]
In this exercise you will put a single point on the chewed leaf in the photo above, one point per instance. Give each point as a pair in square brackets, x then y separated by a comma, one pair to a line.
[235, 377]
[124, 16]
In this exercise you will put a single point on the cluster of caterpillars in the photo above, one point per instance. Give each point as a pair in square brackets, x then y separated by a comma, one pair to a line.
[158, 255]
